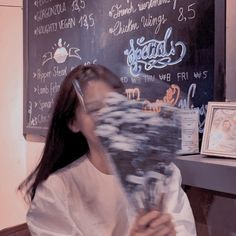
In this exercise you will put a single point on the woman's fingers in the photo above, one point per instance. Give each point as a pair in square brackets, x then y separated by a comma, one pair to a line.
[160, 231]
[162, 219]
[144, 221]
[165, 230]
[162, 226]
[154, 223]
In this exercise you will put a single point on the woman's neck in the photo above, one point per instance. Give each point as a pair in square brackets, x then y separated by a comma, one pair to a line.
[98, 159]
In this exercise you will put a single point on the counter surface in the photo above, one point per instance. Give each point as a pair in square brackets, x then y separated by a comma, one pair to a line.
[213, 173]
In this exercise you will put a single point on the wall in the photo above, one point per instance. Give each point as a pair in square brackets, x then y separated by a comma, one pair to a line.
[230, 51]
[17, 156]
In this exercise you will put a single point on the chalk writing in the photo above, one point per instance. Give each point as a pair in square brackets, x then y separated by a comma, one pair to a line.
[149, 78]
[152, 3]
[86, 21]
[182, 76]
[59, 72]
[153, 53]
[41, 118]
[122, 28]
[30, 105]
[174, 4]
[136, 80]
[45, 105]
[202, 110]
[46, 29]
[185, 103]
[40, 3]
[94, 61]
[42, 76]
[78, 5]
[172, 95]
[200, 74]
[33, 121]
[50, 11]
[150, 21]
[171, 98]
[165, 77]
[117, 10]
[41, 90]
[124, 80]
[67, 23]
[37, 120]
[190, 14]
[133, 93]
[54, 88]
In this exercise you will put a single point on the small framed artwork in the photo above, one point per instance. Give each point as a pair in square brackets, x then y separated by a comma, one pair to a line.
[189, 131]
[219, 136]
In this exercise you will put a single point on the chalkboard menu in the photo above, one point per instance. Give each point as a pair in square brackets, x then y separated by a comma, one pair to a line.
[163, 50]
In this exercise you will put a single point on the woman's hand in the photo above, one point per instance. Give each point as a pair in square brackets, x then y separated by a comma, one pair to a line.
[153, 223]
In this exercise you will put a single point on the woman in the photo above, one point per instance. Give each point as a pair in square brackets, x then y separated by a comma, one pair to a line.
[73, 191]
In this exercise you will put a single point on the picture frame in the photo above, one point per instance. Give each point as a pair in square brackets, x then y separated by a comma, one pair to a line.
[219, 136]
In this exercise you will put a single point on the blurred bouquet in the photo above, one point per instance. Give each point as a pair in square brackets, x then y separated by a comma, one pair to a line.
[140, 145]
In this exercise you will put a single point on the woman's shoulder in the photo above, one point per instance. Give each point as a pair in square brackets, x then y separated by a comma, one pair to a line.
[58, 180]
[74, 166]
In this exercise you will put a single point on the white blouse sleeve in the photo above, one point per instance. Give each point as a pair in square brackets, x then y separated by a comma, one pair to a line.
[177, 204]
[48, 213]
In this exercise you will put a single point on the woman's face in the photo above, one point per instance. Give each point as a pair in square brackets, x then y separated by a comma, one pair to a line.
[226, 125]
[94, 95]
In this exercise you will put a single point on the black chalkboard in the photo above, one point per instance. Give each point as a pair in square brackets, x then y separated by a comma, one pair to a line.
[172, 50]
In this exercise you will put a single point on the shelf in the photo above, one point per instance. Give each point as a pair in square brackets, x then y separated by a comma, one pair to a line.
[217, 174]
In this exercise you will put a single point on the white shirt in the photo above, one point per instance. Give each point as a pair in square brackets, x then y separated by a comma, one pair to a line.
[79, 200]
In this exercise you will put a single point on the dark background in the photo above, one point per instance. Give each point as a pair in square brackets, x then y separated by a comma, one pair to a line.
[198, 24]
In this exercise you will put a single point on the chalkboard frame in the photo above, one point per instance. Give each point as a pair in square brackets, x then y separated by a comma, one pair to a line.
[35, 134]
[26, 132]
[220, 55]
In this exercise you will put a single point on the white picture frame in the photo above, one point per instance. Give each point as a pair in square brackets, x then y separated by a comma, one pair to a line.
[219, 136]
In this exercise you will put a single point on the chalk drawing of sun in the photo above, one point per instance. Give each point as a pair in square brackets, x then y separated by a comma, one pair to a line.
[60, 52]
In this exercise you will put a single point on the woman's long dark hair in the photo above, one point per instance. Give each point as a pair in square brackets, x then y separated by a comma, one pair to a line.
[62, 146]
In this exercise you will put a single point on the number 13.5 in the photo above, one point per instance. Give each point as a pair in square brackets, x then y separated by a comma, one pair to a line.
[87, 21]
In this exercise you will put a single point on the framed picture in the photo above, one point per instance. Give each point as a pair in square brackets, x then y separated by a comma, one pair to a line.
[219, 136]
